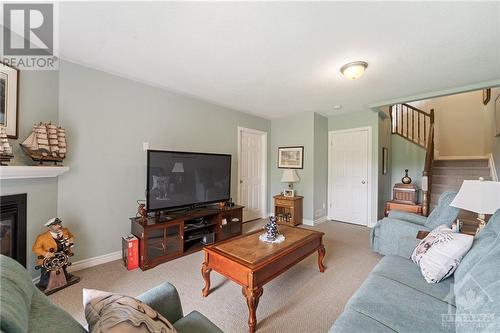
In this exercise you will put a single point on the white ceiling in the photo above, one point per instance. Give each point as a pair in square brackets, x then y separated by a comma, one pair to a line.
[274, 59]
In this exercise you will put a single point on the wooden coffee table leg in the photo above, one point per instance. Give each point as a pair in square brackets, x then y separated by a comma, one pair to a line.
[321, 255]
[205, 272]
[252, 296]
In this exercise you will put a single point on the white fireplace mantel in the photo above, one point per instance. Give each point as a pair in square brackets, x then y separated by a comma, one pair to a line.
[26, 172]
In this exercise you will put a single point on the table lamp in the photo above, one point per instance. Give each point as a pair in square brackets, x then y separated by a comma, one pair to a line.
[478, 196]
[289, 176]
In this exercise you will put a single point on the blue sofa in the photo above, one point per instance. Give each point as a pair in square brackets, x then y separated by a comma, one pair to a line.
[23, 308]
[396, 298]
[395, 234]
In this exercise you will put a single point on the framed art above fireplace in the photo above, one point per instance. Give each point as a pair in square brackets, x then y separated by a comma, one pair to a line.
[9, 83]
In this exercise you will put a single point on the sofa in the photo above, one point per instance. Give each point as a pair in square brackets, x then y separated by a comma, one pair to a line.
[23, 308]
[396, 298]
[395, 234]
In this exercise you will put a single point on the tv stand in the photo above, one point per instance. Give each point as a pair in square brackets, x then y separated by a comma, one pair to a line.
[165, 237]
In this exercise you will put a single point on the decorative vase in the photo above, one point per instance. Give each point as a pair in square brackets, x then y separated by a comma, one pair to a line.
[406, 179]
[271, 229]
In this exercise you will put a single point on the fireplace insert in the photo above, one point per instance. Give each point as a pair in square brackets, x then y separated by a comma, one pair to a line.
[13, 227]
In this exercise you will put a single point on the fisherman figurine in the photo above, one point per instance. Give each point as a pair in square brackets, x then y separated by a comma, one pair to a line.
[53, 249]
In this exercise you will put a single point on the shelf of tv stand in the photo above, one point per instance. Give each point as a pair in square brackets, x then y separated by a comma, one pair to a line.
[192, 238]
[193, 248]
[169, 234]
[199, 227]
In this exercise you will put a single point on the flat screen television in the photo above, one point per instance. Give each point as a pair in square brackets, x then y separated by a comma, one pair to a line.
[182, 179]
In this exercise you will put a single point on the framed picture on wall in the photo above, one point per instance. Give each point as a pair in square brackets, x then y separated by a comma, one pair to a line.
[291, 157]
[385, 160]
[486, 95]
[9, 81]
[497, 116]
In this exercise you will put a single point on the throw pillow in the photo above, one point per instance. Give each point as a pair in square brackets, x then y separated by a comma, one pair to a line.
[439, 254]
[113, 313]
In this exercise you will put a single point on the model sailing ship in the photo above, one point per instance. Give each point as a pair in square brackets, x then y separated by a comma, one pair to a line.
[5, 148]
[46, 143]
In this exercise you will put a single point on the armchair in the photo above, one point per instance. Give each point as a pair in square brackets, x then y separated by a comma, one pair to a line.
[396, 234]
[25, 309]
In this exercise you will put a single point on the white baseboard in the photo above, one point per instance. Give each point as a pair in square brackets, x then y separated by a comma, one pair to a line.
[320, 220]
[477, 157]
[315, 222]
[308, 222]
[90, 262]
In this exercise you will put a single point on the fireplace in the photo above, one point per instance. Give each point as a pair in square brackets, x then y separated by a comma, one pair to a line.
[13, 227]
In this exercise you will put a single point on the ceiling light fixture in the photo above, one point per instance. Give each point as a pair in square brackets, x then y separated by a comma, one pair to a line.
[354, 70]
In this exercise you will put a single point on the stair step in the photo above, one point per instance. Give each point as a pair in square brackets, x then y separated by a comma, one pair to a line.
[484, 163]
[453, 180]
[459, 171]
[441, 188]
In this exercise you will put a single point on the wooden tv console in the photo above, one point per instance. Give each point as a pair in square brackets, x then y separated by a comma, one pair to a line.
[165, 238]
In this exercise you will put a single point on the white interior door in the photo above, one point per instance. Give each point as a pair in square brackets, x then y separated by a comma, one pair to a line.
[349, 173]
[252, 173]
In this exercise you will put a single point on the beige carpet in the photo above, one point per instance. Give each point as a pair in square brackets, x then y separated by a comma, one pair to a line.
[300, 300]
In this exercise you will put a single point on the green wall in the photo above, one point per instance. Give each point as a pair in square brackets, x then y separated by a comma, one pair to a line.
[294, 130]
[384, 181]
[320, 166]
[310, 130]
[366, 118]
[406, 155]
[38, 101]
[107, 119]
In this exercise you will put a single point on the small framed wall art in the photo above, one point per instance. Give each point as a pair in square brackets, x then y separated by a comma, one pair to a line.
[497, 115]
[385, 160]
[9, 83]
[291, 157]
[486, 96]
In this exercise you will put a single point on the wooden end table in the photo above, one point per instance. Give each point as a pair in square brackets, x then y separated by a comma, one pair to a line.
[252, 263]
[404, 207]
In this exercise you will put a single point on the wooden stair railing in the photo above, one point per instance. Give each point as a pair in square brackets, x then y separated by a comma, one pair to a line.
[427, 173]
[411, 123]
[417, 126]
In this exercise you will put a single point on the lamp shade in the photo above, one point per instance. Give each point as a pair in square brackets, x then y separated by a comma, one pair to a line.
[178, 167]
[478, 196]
[289, 176]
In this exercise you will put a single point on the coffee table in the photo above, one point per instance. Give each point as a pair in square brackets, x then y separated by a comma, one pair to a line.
[252, 263]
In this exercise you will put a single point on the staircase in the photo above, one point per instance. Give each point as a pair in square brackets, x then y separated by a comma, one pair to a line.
[417, 126]
[448, 175]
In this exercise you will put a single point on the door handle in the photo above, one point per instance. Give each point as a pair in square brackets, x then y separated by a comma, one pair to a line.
[363, 182]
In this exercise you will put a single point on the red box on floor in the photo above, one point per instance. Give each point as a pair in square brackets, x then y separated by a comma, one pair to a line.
[130, 252]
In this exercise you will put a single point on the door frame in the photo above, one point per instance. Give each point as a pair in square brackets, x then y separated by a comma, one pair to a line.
[263, 195]
[369, 173]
